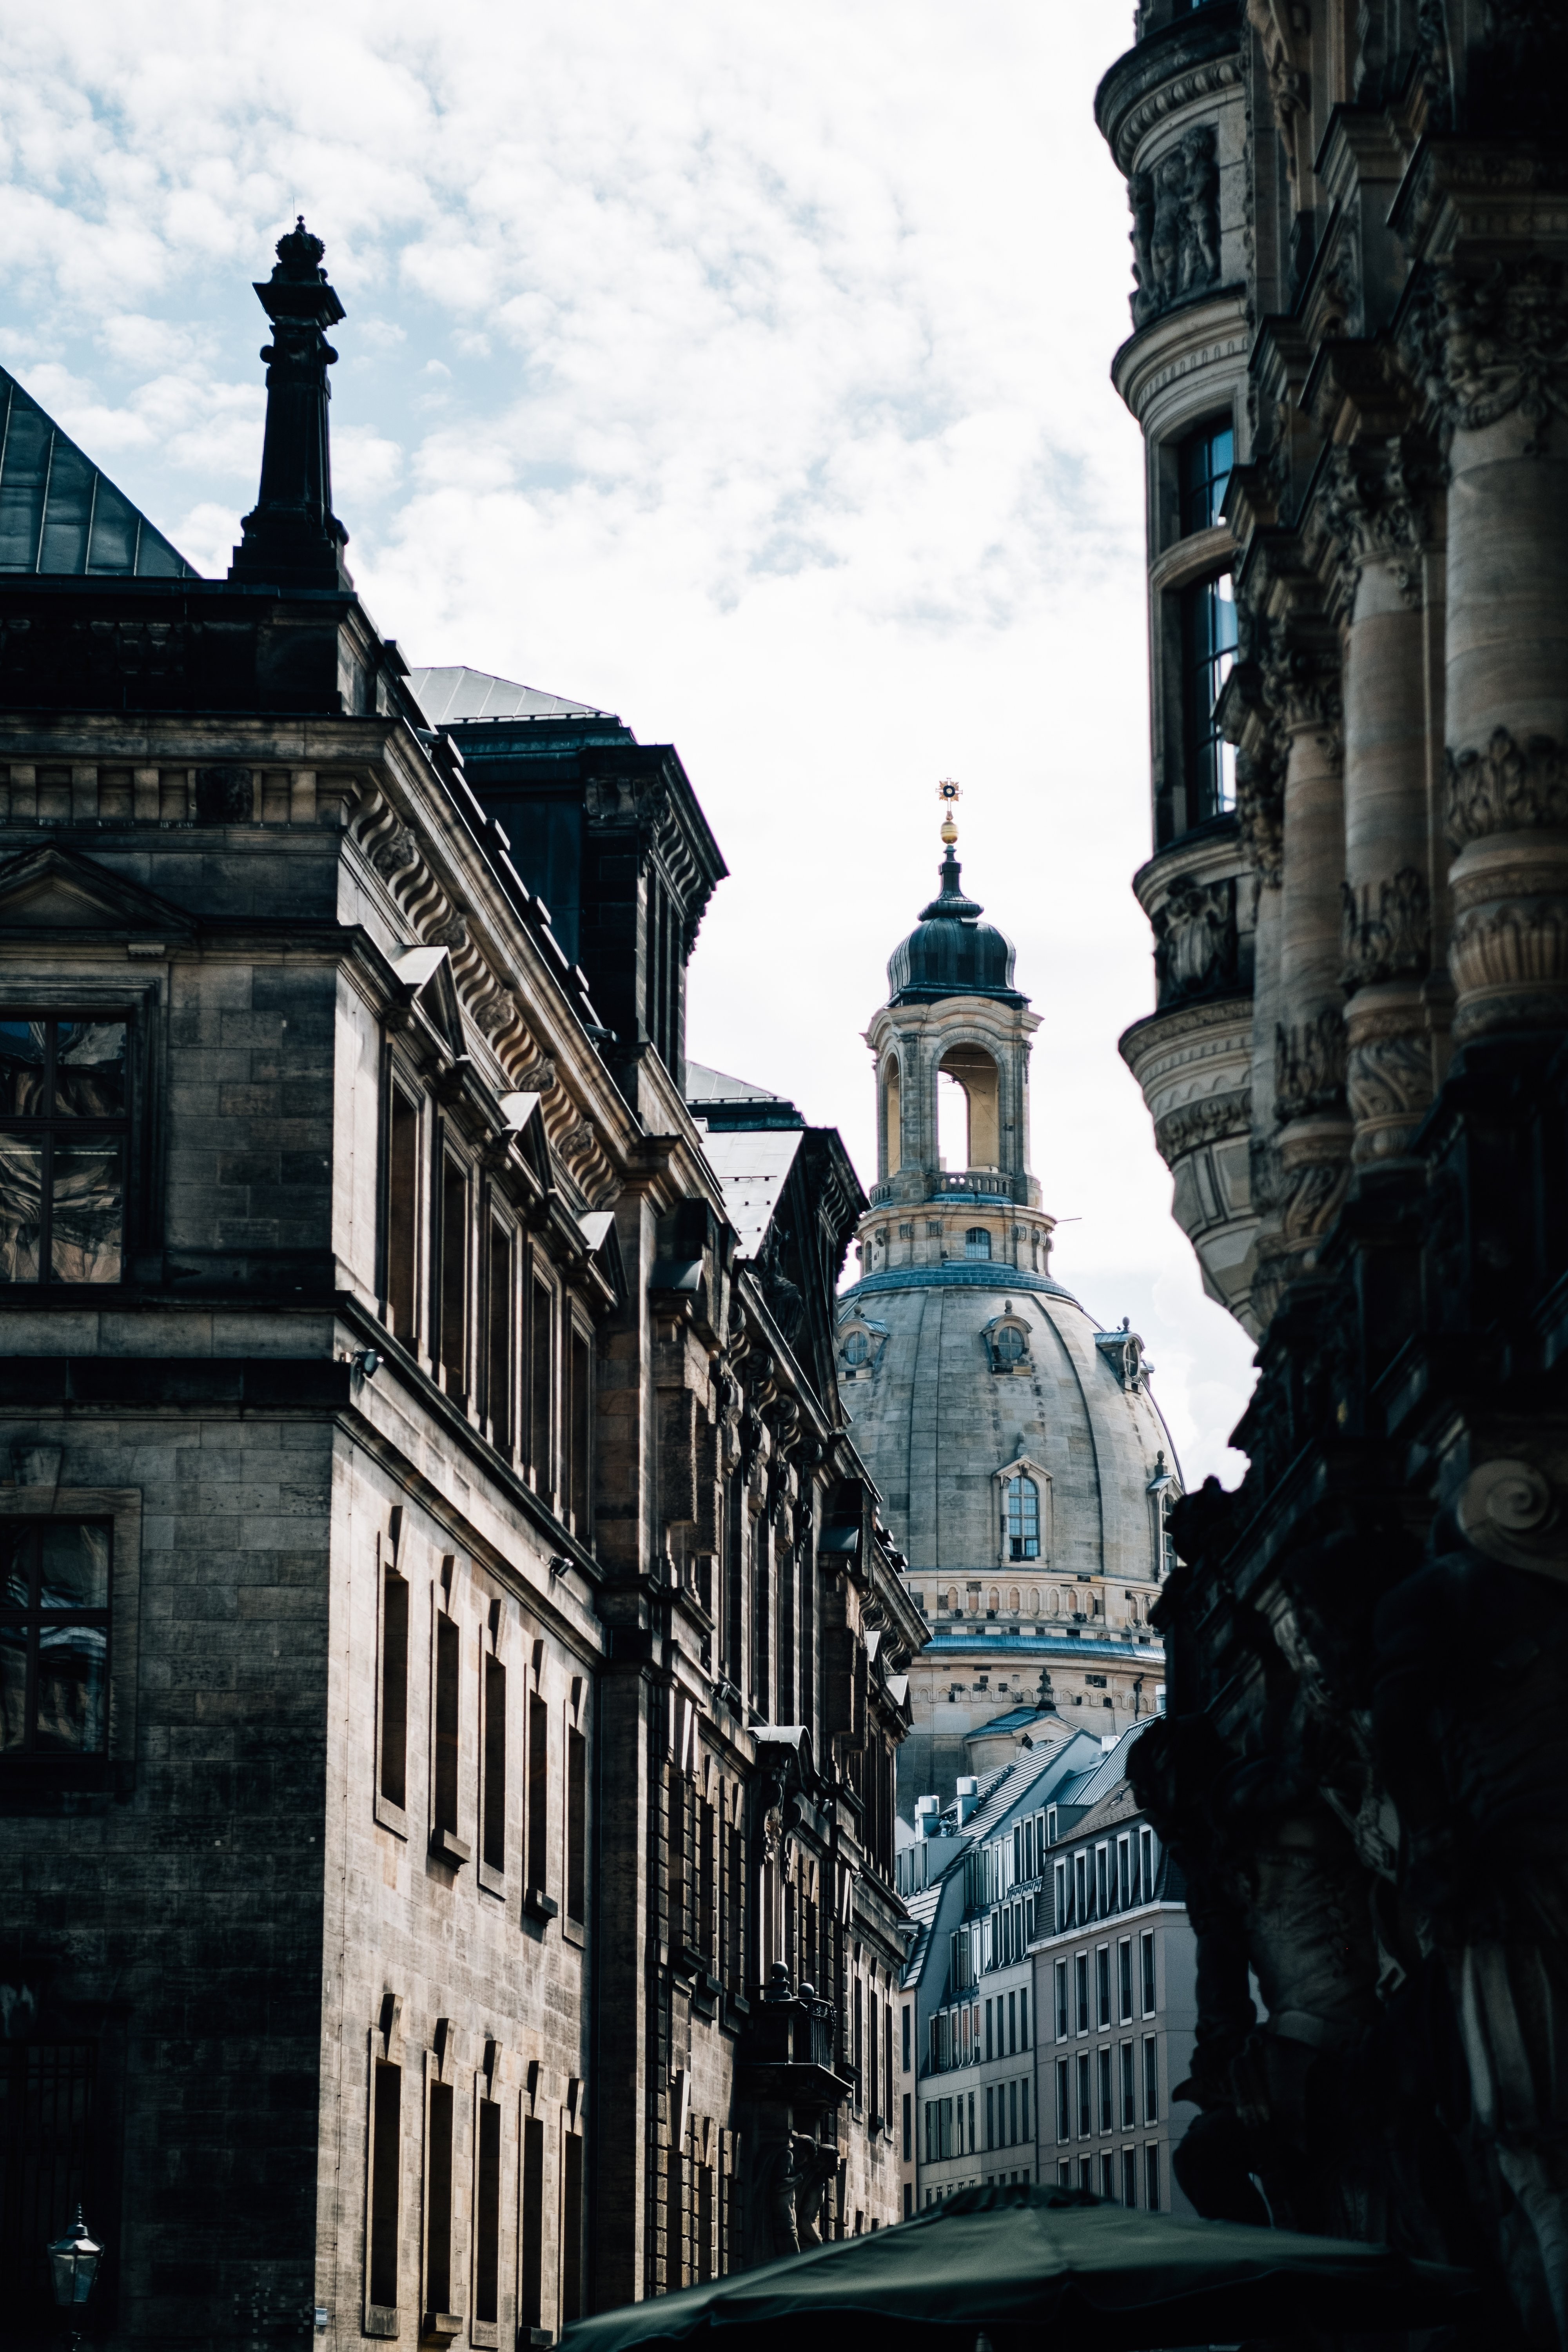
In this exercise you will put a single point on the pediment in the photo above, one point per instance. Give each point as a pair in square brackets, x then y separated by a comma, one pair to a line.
[54, 889]
[424, 974]
[525, 1120]
[1026, 1466]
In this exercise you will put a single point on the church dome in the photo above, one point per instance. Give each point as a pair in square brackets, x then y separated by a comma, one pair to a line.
[951, 952]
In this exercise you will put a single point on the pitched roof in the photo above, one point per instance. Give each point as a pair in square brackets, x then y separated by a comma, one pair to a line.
[59, 513]
[753, 1165]
[445, 695]
[922, 1909]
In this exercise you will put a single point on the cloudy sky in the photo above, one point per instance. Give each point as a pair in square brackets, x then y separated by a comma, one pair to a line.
[742, 368]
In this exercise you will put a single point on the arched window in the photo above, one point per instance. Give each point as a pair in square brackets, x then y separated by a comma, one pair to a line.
[857, 1348]
[1008, 1345]
[995, 1601]
[1013, 1602]
[952, 1599]
[977, 1242]
[1022, 1519]
[1034, 1601]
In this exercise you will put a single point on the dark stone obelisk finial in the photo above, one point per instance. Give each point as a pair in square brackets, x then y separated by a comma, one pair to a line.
[291, 537]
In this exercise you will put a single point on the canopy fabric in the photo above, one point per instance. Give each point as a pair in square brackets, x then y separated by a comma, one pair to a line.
[1006, 2260]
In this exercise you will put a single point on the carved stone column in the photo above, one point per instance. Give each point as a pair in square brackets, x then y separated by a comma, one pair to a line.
[1310, 1033]
[1503, 385]
[1376, 511]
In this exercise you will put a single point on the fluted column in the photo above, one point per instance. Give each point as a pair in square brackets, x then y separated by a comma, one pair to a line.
[1503, 354]
[1378, 508]
[1310, 1033]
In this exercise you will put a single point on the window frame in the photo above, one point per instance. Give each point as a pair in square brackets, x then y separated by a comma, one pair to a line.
[141, 1206]
[32, 1782]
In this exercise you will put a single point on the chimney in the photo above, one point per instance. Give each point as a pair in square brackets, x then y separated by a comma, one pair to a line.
[928, 1811]
[291, 538]
[968, 1798]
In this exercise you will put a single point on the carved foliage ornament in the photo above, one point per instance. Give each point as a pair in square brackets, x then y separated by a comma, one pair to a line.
[1310, 1066]
[1389, 1078]
[1176, 225]
[1387, 929]
[1373, 505]
[1507, 788]
[1502, 343]
[1192, 1125]
[1260, 811]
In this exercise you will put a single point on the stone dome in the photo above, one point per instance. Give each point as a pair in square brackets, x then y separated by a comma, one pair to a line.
[951, 952]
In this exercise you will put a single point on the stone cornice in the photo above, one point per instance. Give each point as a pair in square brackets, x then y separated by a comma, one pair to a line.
[1189, 58]
[1210, 331]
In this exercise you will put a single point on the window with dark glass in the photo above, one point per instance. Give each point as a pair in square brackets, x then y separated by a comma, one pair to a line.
[64, 1135]
[857, 1348]
[395, 1687]
[1205, 460]
[493, 1785]
[1022, 1519]
[497, 1344]
[1008, 1345]
[977, 1242]
[577, 1841]
[1208, 651]
[438, 2209]
[487, 2215]
[386, 2172]
[579, 1429]
[530, 2284]
[403, 1216]
[538, 1793]
[54, 1639]
[455, 1277]
[541, 1394]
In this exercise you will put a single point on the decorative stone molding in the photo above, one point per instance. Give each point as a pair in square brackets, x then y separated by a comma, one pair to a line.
[1373, 506]
[1501, 344]
[1387, 929]
[1176, 225]
[1311, 1195]
[1309, 1066]
[1196, 1123]
[1505, 788]
[1260, 807]
[1510, 962]
[1210, 79]
[1195, 941]
[1388, 1073]
[1511, 1512]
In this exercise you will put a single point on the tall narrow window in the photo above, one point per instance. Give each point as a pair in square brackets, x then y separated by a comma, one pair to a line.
[64, 1132]
[448, 1652]
[1063, 2117]
[532, 2284]
[538, 1793]
[1208, 650]
[1123, 1871]
[438, 2192]
[385, 2173]
[578, 1829]
[1151, 2080]
[571, 2229]
[1129, 2176]
[1084, 2120]
[403, 1216]
[707, 1888]
[1061, 2000]
[1146, 1944]
[1124, 1978]
[1022, 1519]
[493, 1792]
[1129, 2093]
[53, 1640]
[704, 2222]
[1146, 1866]
[579, 1431]
[1102, 1985]
[1205, 460]
[1107, 2112]
[395, 1687]
[906, 2038]
[1080, 1986]
[1151, 2176]
[540, 1390]
[487, 2215]
[455, 1277]
[977, 1242]
[498, 1340]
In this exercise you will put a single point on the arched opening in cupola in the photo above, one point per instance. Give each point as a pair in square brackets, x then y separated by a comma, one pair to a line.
[892, 1116]
[968, 1109]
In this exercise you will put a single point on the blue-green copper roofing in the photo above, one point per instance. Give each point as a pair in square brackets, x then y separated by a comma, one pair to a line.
[59, 513]
[951, 952]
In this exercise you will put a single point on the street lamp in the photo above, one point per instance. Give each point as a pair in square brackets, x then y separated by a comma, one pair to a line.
[73, 2267]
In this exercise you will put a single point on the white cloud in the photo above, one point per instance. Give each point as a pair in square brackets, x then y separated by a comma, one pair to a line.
[746, 370]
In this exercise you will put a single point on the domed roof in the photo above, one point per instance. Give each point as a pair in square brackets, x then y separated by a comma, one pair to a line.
[951, 952]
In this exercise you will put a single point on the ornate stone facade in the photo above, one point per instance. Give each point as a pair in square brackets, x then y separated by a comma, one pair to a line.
[1360, 1768]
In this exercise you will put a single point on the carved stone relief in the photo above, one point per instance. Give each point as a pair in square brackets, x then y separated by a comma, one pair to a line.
[1507, 788]
[1176, 225]
[1309, 1066]
[1195, 941]
[1501, 344]
[1387, 929]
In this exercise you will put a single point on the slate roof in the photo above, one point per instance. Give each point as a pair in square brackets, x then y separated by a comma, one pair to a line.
[448, 696]
[924, 1908]
[60, 514]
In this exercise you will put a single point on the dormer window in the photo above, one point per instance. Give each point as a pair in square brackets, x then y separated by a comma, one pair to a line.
[857, 1348]
[1007, 1338]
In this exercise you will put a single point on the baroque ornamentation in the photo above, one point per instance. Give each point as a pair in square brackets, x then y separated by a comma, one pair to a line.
[1260, 811]
[1195, 941]
[1502, 345]
[1176, 225]
[1310, 1066]
[1514, 959]
[396, 853]
[1507, 788]
[1310, 1198]
[1373, 504]
[1192, 1125]
[1387, 929]
[1389, 1078]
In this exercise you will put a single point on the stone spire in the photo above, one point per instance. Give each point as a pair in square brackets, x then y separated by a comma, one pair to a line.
[291, 537]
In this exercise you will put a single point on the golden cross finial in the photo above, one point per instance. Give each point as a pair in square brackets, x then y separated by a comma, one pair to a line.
[947, 792]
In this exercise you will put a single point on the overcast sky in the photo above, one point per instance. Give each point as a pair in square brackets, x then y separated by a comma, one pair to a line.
[741, 368]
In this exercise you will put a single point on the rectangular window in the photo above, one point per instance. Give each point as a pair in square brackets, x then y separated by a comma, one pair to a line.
[989, 2052]
[888, 2059]
[1012, 2022]
[1208, 650]
[1084, 2120]
[1062, 2019]
[704, 2222]
[1024, 2019]
[944, 2127]
[444, 1809]
[531, 2293]
[1080, 1888]
[578, 1431]
[1151, 2080]
[1108, 2174]
[1151, 2176]
[541, 1389]
[1204, 460]
[455, 1277]
[1102, 1882]
[1123, 1872]
[498, 1304]
[908, 2104]
[1146, 1942]
[439, 2191]
[1103, 1984]
[906, 2037]
[577, 1834]
[859, 2043]
[403, 1217]
[1023, 2107]
[1080, 1977]
[1011, 2114]
[538, 1793]
[1129, 2176]
[1059, 1883]
[487, 2216]
[571, 2228]
[1146, 1866]
[1107, 2114]
[65, 1110]
[1028, 1849]
[394, 1775]
[1124, 1978]
[493, 1792]
[1129, 2095]
[385, 2175]
[1063, 2117]
[990, 2115]
[54, 1639]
